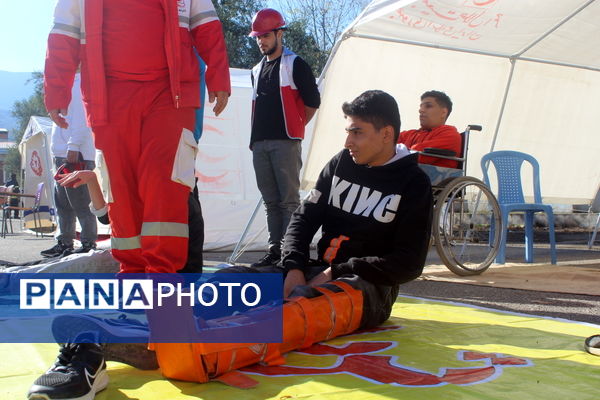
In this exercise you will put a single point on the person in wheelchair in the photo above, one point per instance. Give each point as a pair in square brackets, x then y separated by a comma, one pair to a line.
[434, 110]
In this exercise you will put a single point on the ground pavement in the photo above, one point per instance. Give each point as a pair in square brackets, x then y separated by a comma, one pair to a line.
[572, 252]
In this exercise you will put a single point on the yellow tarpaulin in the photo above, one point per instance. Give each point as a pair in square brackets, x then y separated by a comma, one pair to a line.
[427, 350]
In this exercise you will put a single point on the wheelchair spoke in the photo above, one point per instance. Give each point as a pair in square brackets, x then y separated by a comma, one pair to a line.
[466, 222]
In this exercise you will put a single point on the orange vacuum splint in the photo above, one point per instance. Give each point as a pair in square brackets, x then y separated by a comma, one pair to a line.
[305, 321]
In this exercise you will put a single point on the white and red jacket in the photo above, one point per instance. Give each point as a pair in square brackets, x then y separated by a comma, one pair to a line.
[294, 113]
[76, 38]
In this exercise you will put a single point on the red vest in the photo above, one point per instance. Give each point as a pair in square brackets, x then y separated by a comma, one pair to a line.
[294, 114]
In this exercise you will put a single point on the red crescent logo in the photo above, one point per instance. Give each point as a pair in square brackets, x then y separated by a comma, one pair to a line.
[386, 369]
[36, 163]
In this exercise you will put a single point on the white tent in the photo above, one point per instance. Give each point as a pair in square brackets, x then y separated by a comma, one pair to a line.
[36, 162]
[527, 70]
[226, 181]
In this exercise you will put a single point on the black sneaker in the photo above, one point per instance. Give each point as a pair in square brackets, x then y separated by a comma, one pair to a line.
[78, 373]
[86, 247]
[68, 251]
[59, 249]
[268, 260]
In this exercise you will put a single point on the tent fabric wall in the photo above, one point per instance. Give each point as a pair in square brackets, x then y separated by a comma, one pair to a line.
[36, 162]
[38, 166]
[226, 180]
[542, 57]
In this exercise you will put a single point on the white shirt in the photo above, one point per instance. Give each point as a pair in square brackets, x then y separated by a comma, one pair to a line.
[401, 152]
[78, 136]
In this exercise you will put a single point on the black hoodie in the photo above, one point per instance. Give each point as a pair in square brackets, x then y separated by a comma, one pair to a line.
[376, 221]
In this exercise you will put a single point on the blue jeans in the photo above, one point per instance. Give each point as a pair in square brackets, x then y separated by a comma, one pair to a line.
[277, 165]
[74, 203]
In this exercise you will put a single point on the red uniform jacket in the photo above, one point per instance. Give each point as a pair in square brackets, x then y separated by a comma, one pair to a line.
[442, 137]
[76, 38]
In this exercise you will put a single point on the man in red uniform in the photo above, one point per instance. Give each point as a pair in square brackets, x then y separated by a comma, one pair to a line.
[140, 84]
[140, 87]
[433, 112]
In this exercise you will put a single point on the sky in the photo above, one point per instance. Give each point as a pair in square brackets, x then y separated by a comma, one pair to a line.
[24, 27]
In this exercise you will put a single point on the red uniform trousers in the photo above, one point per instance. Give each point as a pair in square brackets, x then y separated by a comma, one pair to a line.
[148, 210]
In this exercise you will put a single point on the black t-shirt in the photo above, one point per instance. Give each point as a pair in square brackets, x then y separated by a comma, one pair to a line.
[268, 121]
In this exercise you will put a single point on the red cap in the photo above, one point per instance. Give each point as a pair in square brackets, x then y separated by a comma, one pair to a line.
[265, 21]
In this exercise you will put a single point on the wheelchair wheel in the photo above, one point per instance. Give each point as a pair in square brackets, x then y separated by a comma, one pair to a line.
[466, 226]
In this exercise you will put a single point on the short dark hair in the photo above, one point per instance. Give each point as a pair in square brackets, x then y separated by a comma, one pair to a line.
[441, 98]
[376, 107]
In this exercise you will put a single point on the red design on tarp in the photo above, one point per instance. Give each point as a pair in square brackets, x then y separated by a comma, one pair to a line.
[212, 128]
[456, 22]
[356, 358]
[210, 179]
[202, 156]
[36, 163]
[473, 356]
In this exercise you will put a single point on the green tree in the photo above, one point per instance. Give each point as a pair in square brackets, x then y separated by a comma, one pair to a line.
[23, 110]
[12, 162]
[236, 18]
[303, 44]
[323, 22]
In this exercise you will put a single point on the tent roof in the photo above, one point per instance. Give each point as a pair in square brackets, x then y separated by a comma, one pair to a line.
[37, 125]
[526, 70]
[557, 32]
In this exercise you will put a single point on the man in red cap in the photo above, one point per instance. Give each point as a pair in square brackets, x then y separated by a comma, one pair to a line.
[285, 98]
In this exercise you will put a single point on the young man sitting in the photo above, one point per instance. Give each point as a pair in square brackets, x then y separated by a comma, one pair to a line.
[434, 110]
[374, 205]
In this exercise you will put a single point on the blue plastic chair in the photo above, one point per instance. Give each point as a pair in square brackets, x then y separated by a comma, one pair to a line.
[510, 198]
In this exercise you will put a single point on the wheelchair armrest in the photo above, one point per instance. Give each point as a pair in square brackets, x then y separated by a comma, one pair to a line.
[438, 152]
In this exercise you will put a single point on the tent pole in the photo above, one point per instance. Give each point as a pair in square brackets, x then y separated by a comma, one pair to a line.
[319, 83]
[236, 253]
[334, 50]
[50, 175]
[506, 90]
[555, 27]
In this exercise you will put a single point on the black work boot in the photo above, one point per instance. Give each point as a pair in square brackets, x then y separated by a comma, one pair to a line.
[86, 247]
[268, 260]
[59, 249]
